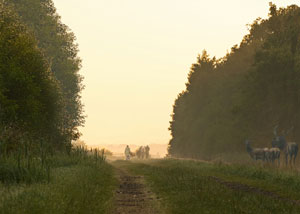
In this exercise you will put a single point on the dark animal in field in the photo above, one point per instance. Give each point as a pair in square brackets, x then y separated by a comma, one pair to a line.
[278, 141]
[274, 155]
[268, 154]
[291, 152]
[290, 149]
[255, 153]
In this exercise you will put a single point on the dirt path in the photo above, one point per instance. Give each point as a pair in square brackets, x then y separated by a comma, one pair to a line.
[133, 196]
[251, 189]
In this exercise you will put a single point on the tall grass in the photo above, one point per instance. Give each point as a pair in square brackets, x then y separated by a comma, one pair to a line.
[14, 170]
[81, 182]
[23, 166]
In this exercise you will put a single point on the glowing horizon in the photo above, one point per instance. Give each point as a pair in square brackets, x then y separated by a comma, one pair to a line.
[137, 54]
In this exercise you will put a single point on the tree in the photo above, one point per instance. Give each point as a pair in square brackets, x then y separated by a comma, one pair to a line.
[244, 94]
[29, 95]
[58, 45]
[274, 77]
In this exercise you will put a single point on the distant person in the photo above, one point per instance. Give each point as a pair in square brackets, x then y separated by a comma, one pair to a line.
[138, 153]
[142, 152]
[127, 153]
[147, 152]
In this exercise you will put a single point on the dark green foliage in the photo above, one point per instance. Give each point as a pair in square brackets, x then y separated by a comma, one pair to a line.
[40, 107]
[58, 46]
[243, 95]
[13, 172]
[273, 82]
[29, 95]
[40, 86]
[40, 111]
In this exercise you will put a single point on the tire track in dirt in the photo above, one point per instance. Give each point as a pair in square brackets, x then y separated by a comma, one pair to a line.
[246, 188]
[133, 196]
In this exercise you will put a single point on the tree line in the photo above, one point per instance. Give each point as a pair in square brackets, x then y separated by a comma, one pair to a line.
[40, 87]
[244, 94]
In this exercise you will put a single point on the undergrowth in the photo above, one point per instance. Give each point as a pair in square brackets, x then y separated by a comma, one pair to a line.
[81, 182]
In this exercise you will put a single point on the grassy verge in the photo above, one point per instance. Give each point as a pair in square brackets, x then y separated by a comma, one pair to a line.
[76, 185]
[187, 187]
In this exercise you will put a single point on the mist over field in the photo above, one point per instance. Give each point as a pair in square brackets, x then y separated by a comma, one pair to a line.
[156, 150]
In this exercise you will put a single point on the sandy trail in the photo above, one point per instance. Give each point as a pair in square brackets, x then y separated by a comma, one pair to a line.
[133, 196]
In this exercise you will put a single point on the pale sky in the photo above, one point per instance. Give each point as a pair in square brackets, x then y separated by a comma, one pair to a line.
[137, 54]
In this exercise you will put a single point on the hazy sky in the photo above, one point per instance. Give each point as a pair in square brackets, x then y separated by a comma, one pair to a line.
[137, 54]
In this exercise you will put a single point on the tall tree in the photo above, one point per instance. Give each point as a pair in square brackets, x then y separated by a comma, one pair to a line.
[274, 78]
[58, 45]
[29, 94]
[243, 94]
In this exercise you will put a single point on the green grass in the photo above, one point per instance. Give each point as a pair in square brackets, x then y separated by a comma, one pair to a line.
[14, 170]
[78, 184]
[186, 186]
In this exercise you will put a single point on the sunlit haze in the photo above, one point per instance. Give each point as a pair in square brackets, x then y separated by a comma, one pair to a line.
[137, 54]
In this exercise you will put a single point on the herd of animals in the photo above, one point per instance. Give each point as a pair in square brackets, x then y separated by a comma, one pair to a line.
[142, 152]
[279, 145]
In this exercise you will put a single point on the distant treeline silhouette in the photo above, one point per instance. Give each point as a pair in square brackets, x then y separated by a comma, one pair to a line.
[40, 107]
[244, 94]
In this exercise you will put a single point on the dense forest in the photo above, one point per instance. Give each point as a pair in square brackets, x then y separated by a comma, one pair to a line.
[243, 95]
[39, 81]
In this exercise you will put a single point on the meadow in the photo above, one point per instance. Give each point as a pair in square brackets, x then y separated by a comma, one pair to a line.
[188, 186]
[86, 183]
[75, 183]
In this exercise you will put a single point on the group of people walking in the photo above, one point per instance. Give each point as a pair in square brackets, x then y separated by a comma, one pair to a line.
[143, 152]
